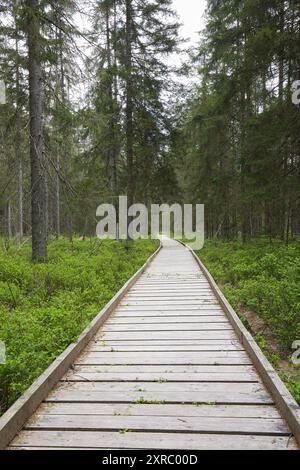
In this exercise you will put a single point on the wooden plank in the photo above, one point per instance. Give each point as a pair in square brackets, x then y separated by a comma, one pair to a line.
[116, 327]
[175, 286]
[196, 295]
[182, 424]
[166, 356]
[106, 409]
[170, 290]
[216, 311]
[185, 284]
[155, 377]
[94, 358]
[207, 396]
[177, 292]
[195, 369]
[164, 387]
[162, 280]
[159, 302]
[94, 347]
[116, 320]
[131, 440]
[170, 298]
[168, 342]
[98, 360]
[166, 335]
[166, 308]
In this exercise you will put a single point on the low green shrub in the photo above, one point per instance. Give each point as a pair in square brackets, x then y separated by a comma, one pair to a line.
[262, 278]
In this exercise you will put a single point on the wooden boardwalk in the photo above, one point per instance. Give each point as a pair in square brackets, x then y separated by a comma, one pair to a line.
[166, 371]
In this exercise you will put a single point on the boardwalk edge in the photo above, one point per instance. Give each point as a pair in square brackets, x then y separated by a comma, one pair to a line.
[13, 420]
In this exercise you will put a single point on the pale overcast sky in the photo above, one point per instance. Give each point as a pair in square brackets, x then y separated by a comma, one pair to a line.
[191, 15]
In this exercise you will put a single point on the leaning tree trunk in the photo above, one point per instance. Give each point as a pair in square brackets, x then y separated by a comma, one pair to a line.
[38, 164]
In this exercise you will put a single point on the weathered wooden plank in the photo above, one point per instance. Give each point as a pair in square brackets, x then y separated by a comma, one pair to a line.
[160, 280]
[116, 327]
[174, 288]
[169, 290]
[168, 342]
[159, 369]
[166, 308]
[161, 302]
[104, 409]
[207, 396]
[116, 320]
[166, 335]
[166, 355]
[149, 360]
[170, 299]
[207, 311]
[155, 377]
[131, 440]
[199, 287]
[196, 295]
[121, 348]
[182, 424]
[164, 387]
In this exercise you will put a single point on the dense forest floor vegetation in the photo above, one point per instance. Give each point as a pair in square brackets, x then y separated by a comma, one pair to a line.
[262, 282]
[44, 307]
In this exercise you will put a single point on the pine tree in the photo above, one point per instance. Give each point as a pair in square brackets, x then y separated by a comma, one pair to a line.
[38, 161]
[128, 95]
[240, 131]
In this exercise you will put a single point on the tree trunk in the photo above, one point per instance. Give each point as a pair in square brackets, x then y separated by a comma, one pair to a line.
[129, 104]
[57, 198]
[38, 163]
[20, 203]
[112, 152]
[58, 157]
[19, 235]
[281, 52]
[9, 224]
[66, 154]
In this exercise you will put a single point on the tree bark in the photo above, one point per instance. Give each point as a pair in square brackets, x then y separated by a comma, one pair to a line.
[113, 150]
[19, 235]
[65, 150]
[9, 224]
[129, 104]
[37, 155]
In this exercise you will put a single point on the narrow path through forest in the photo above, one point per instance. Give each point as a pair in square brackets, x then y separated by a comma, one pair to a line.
[165, 371]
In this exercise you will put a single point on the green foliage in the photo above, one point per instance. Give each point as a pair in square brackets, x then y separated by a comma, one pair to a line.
[44, 308]
[293, 384]
[262, 278]
[237, 140]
